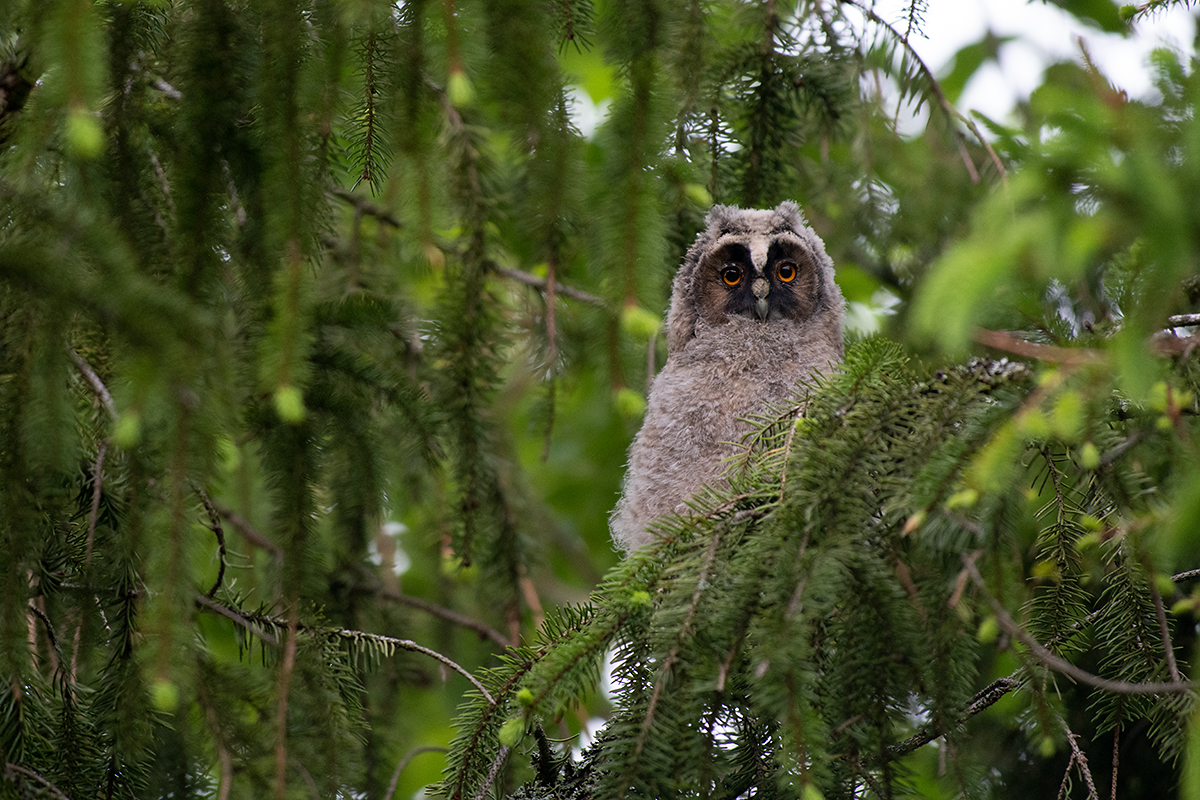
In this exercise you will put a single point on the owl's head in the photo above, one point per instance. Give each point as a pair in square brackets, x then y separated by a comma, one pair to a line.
[761, 265]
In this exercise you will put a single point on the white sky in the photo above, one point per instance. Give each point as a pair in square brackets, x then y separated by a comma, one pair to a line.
[1045, 34]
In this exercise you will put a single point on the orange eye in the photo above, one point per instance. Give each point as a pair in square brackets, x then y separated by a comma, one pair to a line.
[731, 275]
[787, 271]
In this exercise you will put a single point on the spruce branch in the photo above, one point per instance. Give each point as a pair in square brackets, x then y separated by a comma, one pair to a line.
[1061, 665]
[484, 630]
[219, 531]
[402, 763]
[390, 642]
[11, 768]
[541, 283]
[1165, 632]
[939, 95]
[247, 530]
[364, 206]
[94, 381]
[1077, 758]
[1007, 342]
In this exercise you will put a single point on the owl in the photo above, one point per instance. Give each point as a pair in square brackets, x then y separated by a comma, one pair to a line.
[754, 309]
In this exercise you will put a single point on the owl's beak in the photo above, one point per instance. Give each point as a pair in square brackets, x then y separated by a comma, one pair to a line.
[761, 289]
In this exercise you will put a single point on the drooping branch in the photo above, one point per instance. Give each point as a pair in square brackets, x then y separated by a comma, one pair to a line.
[1039, 652]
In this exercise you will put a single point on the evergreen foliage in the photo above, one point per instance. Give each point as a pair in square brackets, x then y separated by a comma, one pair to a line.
[324, 327]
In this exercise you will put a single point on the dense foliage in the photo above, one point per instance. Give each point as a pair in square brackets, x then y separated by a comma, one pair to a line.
[324, 327]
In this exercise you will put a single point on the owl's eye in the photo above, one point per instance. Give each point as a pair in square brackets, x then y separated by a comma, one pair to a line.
[787, 271]
[731, 275]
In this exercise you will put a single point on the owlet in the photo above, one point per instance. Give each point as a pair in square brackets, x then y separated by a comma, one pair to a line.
[754, 309]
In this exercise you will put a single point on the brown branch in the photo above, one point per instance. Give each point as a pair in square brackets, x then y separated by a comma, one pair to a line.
[1165, 631]
[483, 629]
[247, 530]
[1003, 340]
[364, 206]
[229, 613]
[982, 700]
[403, 644]
[94, 513]
[94, 381]
[540, 283]
[10, 768]
[215, 518]
[409, 756]
[1039, 652]
[281, 707]
[1078, 758]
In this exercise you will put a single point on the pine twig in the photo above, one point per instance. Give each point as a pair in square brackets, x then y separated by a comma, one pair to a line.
[984, 699]
[492, 773]
[1039, 652]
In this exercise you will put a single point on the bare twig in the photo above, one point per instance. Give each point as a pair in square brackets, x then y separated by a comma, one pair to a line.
[483, 629]
[364, 206]
[1183, 320]
[10, 768]
[1078, 758]
[247, 530]
[409, 756]
[219, 531]
[1056, 663]
[1003, 340]
[94, 381]
[540, 283]
[94, 513]
[1165, 631]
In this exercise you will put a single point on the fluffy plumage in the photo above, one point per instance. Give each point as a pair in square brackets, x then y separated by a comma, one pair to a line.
[754, 309]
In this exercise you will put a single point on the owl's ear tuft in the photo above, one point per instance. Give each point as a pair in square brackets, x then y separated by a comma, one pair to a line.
[788, 215]
[719, 217]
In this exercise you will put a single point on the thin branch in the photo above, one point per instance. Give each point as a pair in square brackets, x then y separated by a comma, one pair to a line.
[492, 773]
[1058, 664]
[1183, 320]
[94, 381]
[540, 283]
[219, 531]
[1165, 631]
[938, 94]
[10, 768]
[1003, 340]
[229, 613]
[409, 756]
[403, 644]
[94, 513]
[1079, 758]
[364, 206]
[247, 530]
[281, 708]
[982, 700]
[483, 629]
